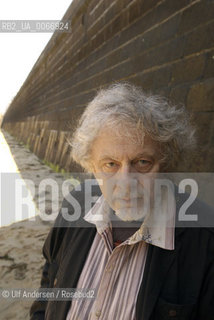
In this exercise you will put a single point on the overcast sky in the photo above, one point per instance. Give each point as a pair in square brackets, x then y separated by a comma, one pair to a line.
[19, 51]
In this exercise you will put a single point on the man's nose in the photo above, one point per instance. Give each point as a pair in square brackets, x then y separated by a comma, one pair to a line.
[125, 171]
[124, 181]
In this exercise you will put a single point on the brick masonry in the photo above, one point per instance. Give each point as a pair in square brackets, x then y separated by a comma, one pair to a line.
[164, 46]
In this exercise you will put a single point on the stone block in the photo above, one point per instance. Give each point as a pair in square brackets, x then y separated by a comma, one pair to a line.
[188, 70]
[201, 96]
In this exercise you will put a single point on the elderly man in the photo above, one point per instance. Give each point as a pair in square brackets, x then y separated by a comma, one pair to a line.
[142, 264]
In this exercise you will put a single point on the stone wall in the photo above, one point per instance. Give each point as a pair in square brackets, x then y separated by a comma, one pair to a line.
[165, 46]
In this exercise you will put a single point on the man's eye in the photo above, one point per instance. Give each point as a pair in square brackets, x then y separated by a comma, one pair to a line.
[143, 162]
[110, 165]
[143, 165]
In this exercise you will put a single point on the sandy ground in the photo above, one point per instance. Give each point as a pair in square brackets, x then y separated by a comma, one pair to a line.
[21, 242]
[21, 263]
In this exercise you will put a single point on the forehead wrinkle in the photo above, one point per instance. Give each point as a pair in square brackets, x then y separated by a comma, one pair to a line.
[138, 155]
[112, 156]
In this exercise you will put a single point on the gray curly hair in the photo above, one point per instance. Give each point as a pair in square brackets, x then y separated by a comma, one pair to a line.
[125, 104]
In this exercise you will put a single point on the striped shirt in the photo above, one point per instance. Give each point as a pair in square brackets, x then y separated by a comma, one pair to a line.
[116, 272]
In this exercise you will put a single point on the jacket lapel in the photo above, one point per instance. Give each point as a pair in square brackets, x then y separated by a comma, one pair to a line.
[158, 263]
[72, 265]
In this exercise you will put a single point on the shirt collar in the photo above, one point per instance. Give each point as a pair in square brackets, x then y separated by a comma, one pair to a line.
[158, 227]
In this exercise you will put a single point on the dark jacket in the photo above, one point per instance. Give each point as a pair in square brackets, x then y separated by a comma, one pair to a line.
[177, 284]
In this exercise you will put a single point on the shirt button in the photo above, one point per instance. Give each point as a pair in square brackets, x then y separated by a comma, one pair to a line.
[98, 313]
[172, 313]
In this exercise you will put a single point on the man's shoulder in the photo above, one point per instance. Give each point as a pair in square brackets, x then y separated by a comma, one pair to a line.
[69, 223]
[194, 213]
[194, 227]
[196, 231]
[76, 204]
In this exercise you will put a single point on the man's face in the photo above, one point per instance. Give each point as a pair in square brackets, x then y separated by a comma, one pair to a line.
[125, 170]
